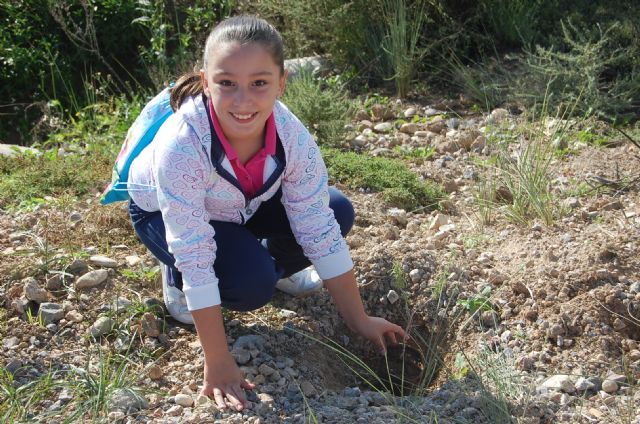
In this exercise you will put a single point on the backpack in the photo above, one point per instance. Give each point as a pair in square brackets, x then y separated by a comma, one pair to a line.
[139, 136]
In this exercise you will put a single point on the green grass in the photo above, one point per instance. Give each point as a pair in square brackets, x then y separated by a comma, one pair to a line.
[18, 400]
[399, 185]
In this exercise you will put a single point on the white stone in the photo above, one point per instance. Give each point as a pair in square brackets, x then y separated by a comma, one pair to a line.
[398, 215]
[559, 382]
[92, 279]
[103, 261]
[393, 296]
[102, 326]
[410, 112]
[409, 128]
[383, 127]
[609, 386]
[438, 221]
[183, 400]
[132, 260]
[415, 275]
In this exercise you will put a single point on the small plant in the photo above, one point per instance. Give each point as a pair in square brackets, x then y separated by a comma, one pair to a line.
[95, 384]
[399, 185]
[479, 302]
[18, 400]
[323, 109]
[403, 24]
[142, 275]
[398, 274]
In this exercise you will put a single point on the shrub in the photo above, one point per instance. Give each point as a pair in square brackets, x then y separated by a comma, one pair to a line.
[323, 108]
[399, 185]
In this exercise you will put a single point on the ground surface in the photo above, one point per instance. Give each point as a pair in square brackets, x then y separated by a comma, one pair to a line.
[559, 301]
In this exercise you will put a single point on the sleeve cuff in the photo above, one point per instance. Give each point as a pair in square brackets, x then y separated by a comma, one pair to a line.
[200, 297]
[333, 265]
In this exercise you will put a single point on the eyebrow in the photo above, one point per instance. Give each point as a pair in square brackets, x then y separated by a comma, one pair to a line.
[257, 74]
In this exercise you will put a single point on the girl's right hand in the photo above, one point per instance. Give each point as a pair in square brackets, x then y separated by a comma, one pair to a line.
[223, 379]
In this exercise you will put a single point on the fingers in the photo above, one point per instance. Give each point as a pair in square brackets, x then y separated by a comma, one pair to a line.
[218, 398]
[246, 384]
[236, 397]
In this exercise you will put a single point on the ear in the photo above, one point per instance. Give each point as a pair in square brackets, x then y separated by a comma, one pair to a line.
[205, 84]
[282, 83]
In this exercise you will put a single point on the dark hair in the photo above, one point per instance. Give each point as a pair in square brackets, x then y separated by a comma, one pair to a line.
[244, 29]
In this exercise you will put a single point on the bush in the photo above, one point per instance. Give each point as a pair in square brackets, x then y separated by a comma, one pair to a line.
[400, 186]
[323, 108]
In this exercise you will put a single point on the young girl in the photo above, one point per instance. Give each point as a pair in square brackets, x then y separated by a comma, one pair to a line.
[240, 203]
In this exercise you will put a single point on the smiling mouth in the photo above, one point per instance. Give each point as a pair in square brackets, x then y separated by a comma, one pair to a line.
[243, 117]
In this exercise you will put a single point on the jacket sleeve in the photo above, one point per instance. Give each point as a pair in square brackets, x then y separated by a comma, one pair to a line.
[183, 173]
[305, 196]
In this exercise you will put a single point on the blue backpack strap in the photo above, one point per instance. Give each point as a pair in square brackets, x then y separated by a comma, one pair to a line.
[140, 135]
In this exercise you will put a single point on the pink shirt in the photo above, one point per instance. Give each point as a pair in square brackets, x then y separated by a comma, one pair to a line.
[249, 175]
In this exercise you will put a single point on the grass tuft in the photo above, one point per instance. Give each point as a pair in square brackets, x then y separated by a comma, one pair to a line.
[399, 185]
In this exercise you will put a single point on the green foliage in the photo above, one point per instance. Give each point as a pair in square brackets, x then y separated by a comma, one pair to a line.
[78, 160]
[479, 302]
[582, 75]
[399, 185]
[403, 26]
[18, 399]
[322, 108]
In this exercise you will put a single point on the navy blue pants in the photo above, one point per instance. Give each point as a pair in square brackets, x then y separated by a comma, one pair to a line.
[247, 272]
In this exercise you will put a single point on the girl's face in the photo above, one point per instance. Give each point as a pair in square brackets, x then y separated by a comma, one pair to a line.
[243, 82]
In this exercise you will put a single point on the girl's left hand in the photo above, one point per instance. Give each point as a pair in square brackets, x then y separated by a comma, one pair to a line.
[380, 332]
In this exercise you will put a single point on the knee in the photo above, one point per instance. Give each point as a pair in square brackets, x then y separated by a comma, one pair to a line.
[342, 209]
[251, 289]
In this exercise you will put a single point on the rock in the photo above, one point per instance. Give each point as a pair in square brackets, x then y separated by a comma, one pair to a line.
[54, 283]
[408, 128]
[359, 141]
[314, 65]
[609, 386]
[497, 116]
[10, 342]
[266, 370]
[150, 325]
[558, 382]
[415, 275]
[383, 127]
[249, 342]
[436, 126]
[438, 221]
[11, 150]
[582, 385]
[554, 331]
[77, 267]
[33, 291]
[51, 312]
[174, 411]
[495, 277]
[489, 318]
[362, 115]
[618, 378]
[92, 279]
[286, 313]
[126, 400]
[399, 216]
[381, 112]
[410, 112]
[103, 261]
[393, 296]
[453, 123]
[183, 400]
[479, 143]
[116, 416]
[13, 366]
[155, 372]
[308, 389]
[101, 327]
[635, 287]
[241, 356]
[132, 260]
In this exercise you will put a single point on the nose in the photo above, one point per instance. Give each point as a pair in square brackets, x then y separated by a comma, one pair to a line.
[241, 96]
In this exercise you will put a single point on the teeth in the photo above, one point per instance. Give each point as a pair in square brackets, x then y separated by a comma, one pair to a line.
[242, 116]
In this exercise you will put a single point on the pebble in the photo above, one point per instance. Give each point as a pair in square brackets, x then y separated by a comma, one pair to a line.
[155, 372]
[558, 382]
[410, 112]
[103, 261]
[51, 312]
[399, 216]
[183, 400]
[582, 384]
[101, 327]
[393, 296]
[13, 366]
[174, 411]
[241, 356]
[383, 127]
[78, 266]
[54, 283]
[415, 275]
[132, 260]
[126, 400]
[308, 389]
[408, 128]
[74, 316]
[150, 325]
[92, 279]
[609, 386]
[10, 342]
[33, 291]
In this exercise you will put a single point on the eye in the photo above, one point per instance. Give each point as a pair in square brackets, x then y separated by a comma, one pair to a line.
[226, 83]
[260, 83]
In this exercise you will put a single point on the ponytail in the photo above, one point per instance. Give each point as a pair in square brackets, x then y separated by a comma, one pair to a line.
[188, 85]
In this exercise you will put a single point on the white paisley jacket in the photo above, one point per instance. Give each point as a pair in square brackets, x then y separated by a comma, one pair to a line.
[185, 174]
